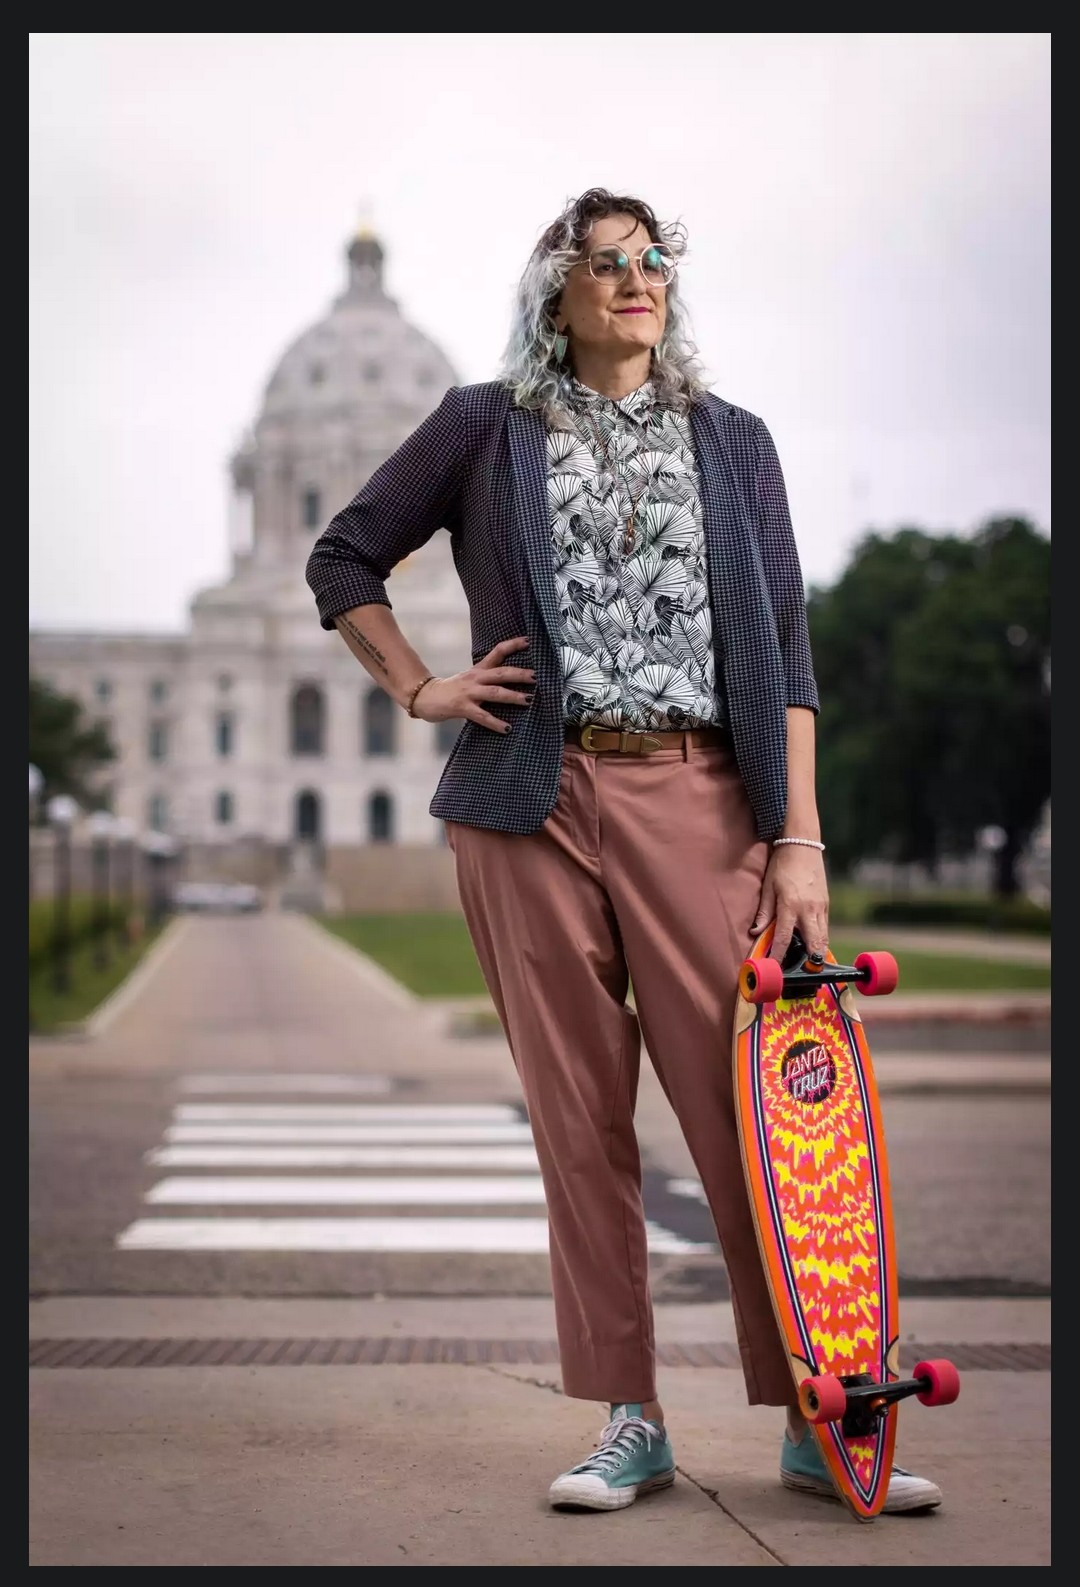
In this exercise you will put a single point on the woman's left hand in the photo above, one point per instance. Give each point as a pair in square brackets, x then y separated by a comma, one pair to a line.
[795, 891]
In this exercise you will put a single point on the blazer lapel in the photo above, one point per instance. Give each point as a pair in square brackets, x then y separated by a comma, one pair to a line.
[528, 457]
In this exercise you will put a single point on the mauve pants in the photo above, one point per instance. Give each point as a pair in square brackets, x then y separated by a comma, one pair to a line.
[648, 867]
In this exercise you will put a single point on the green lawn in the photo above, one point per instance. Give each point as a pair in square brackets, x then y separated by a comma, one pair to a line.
[431, 954]
[51, 1010]
[934, 972]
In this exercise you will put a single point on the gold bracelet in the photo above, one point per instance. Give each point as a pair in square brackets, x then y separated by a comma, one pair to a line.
[411, 701]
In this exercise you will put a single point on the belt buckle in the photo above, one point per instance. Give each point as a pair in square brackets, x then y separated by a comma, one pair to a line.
[586, 738]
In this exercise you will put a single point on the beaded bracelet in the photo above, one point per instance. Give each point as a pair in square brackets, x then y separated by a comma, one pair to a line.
[411, 701]
[803, 843]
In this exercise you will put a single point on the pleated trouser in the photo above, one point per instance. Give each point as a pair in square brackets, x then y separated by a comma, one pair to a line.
[648, 872]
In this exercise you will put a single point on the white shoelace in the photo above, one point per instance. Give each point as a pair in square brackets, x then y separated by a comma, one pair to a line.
[619, 1440]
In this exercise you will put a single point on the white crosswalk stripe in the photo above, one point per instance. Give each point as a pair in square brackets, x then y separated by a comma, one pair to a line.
[199, 1156]
[397, 1191]
[356, 1134]
[501, 1236]
[283, 1085]
[342, 1113]
[432, 1156]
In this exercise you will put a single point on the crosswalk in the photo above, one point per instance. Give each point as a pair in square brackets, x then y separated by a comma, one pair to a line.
[313, 1169]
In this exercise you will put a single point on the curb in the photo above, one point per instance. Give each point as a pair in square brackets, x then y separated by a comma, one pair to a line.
[100, 1018]
[362, 965]
[1031, 1008]
[477, 1017]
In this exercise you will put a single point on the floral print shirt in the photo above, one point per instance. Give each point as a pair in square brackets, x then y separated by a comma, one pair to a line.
[637, 647]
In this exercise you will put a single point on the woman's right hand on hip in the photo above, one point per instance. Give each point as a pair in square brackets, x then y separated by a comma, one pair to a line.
[466, 693]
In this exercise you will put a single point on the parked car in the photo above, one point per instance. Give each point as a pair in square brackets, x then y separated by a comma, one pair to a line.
[217, 897]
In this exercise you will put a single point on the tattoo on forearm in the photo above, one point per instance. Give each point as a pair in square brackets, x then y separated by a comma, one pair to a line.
[365, 644]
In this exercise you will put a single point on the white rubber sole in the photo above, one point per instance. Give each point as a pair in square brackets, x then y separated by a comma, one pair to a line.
[927, 1496]
[589, 1493]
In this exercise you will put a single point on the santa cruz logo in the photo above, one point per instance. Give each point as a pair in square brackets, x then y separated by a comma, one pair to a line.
[808, 1071]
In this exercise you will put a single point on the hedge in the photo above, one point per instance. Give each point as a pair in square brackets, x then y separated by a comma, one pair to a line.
[83, 924]
[944, 909]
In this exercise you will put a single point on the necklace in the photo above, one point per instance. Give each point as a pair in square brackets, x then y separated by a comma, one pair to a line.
[628, 526]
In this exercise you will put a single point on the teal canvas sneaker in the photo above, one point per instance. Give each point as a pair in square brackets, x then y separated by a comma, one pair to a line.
[802, 1468]
[634, 1456]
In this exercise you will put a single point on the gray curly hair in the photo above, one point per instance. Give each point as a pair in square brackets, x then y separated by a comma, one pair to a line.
[530, 369]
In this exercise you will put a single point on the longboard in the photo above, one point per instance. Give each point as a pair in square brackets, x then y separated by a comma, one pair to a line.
[813, 1149]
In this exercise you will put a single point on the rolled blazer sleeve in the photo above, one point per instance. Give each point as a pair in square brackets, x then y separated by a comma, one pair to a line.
[407, 499]
[783, 573]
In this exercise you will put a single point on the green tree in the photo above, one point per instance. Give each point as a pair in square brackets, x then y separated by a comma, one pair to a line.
[932, 655]
[874, 797]
[973, 670]
[64, 746]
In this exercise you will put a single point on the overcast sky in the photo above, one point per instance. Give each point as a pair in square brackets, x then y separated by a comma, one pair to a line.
[868, 217]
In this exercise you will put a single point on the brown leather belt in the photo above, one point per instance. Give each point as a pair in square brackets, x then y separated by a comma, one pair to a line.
[608, 740]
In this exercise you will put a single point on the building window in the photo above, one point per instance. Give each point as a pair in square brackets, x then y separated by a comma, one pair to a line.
[379, 723]
[223, 734]
[308, 823]
[159, 690]
[372, 371]
[446, 734]
[380, 818]
[224, 682]
[307, 725]
[223, 808]
[157, 812]
[157, 741]
[103, 690]
[312, 509]
[317, 374]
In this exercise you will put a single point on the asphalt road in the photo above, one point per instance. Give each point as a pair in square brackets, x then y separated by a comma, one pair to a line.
[269, 998]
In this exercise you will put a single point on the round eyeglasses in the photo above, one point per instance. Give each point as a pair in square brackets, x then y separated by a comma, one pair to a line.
[656, 265]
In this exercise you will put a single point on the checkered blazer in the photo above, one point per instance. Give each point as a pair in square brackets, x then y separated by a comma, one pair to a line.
[477, 467]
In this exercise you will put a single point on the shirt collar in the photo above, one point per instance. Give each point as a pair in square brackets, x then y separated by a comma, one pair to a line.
[635, 405]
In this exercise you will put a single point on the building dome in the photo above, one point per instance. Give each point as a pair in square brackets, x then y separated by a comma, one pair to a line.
[363, 361]
[340, 401]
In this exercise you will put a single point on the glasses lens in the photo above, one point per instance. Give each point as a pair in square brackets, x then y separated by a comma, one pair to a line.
[608, 264]
[657, 266]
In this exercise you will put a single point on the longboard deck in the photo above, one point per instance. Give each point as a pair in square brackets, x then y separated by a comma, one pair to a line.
[814, 1156]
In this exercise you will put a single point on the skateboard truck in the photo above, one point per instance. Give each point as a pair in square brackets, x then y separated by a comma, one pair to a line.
[802, 974]
[857, 1401]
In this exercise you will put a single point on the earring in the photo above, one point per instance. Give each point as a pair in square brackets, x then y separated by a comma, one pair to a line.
[559, 346]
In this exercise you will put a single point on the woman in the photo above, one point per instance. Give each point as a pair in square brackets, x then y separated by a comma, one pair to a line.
[632, 794]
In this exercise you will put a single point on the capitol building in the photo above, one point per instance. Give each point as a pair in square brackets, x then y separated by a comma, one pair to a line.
[255, 739]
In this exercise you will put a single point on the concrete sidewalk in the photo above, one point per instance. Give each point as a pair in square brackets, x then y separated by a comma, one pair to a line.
[449, 1464]
[1015, 948]
[130, 1022]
